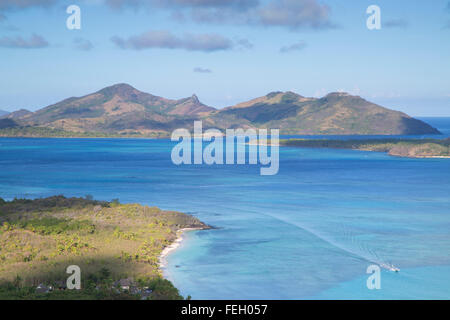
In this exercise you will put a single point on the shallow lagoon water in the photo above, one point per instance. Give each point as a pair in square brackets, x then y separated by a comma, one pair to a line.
[309, 232]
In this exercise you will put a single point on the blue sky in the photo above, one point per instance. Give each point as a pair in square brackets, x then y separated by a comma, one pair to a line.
[227, 51]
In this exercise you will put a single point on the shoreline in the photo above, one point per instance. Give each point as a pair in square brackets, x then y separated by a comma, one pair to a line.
[83, 218]
[392, 147]
[168, 136]
[162, 260]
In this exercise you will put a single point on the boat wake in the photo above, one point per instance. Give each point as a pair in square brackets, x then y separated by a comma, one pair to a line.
[343, 238]
[348, 242]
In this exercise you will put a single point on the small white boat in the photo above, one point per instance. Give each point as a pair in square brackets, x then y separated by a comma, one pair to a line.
[390, 267]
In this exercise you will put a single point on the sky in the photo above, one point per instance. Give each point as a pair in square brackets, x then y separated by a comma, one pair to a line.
[227, 51]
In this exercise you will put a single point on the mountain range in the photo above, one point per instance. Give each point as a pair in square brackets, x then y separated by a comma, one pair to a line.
[123, 110]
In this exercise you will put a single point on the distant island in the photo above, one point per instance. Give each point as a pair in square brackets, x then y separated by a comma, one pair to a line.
[411, 148]
[117, 246]
[123, 111]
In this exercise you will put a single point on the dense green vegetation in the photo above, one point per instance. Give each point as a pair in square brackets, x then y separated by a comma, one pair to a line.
[109, 241]
[97, 287]
[416, 148]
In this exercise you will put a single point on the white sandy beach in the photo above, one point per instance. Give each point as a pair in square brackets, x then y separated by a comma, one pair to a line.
[174, 245]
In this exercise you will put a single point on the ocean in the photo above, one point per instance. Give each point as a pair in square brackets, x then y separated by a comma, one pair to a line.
[309, 232]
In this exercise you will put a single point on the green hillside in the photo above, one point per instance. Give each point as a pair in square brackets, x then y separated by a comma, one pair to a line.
[109, 241]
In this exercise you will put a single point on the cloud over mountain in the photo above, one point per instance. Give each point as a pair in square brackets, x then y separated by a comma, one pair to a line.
[35, 42]
[293, 47]
[238, 4]
[23, 4]
[202, 70]
[296, 14]
[292, 14]
[83, 44]
[163, 39]
[395, 23]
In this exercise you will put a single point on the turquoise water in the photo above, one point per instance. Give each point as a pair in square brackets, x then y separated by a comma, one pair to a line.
[309, 232]
[407, 284]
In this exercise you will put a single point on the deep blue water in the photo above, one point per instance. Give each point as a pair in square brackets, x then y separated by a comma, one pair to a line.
[309, 232]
